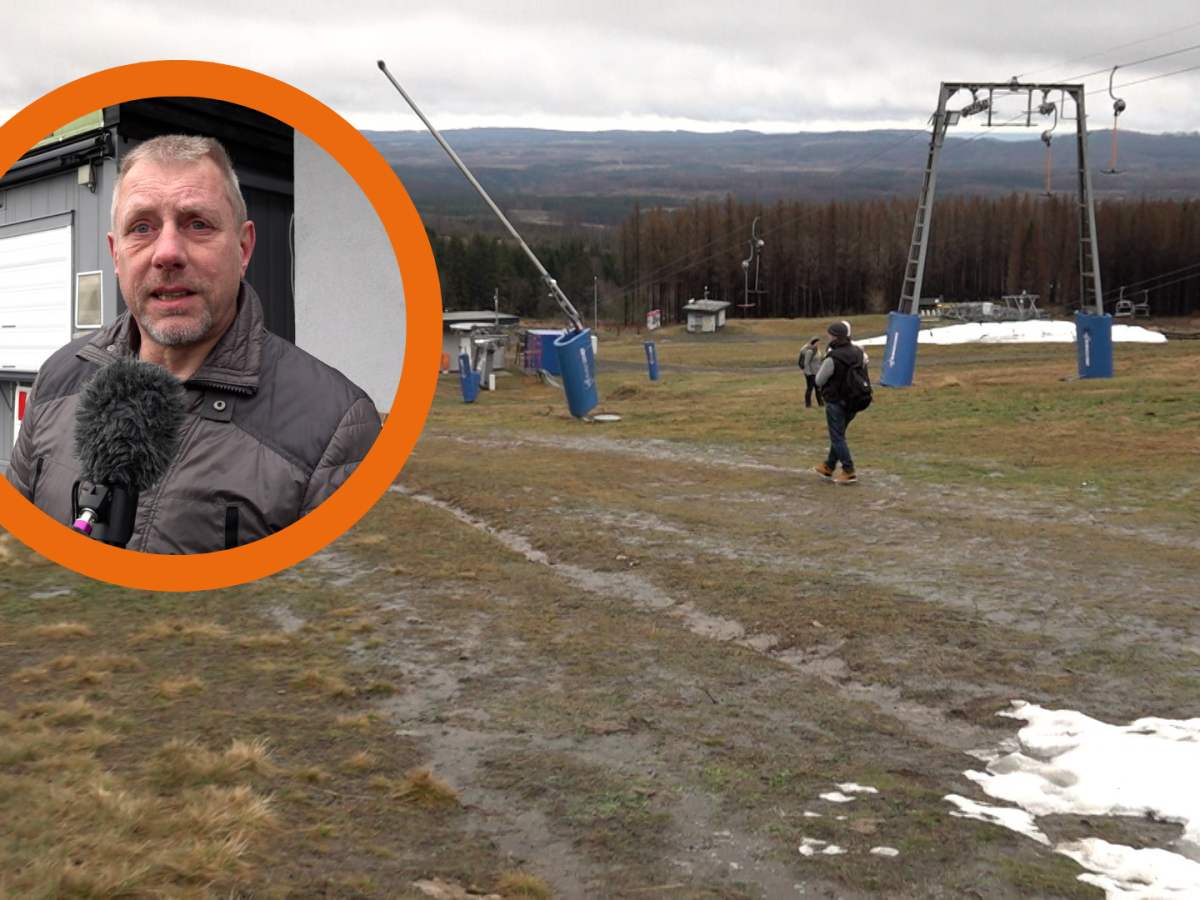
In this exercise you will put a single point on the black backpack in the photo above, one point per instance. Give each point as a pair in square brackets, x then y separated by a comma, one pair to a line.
[856, 394]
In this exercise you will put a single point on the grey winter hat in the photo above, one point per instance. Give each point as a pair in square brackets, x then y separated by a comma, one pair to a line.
[839, 329]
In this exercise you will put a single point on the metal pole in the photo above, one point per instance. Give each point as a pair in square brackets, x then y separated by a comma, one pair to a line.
[1089, 254]
[563, 302]
[595, 307]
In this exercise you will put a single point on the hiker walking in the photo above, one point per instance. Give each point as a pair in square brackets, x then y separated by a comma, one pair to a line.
[840, 379]
[810, 362]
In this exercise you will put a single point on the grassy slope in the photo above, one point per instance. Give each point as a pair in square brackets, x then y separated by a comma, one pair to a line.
[270, 740]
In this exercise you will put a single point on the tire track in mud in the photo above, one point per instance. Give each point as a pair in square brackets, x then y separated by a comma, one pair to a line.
[819, 662]
[710, 848]
[1052, 576]
[1039, 565]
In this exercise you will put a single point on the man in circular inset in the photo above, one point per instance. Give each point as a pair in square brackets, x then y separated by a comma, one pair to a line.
[271, 432]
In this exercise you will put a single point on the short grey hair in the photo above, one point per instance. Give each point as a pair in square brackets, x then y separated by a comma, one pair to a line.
[183, 149]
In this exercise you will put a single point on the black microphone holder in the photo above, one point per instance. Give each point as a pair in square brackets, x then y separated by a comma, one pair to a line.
[104, 512]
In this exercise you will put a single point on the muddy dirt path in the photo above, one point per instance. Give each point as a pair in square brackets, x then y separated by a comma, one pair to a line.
[1055, 600]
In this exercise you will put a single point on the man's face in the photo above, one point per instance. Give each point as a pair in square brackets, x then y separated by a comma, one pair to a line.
[178, 251]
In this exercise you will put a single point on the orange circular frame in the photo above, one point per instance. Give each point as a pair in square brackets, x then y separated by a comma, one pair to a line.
[422, 309]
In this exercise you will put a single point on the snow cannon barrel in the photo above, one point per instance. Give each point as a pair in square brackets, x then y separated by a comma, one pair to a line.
[652, 360]
[1093, 344]
[900, 352]
[577, 360]
[469, 379]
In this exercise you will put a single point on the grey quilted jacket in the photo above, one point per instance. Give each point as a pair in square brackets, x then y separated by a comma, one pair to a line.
[271, 432]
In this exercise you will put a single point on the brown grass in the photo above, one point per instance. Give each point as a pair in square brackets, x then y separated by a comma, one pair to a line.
[523, 885]
[170, 688]
[420, 787]
[181, 763]
[1015, 539]
[187, 630]
[316, 681]
[61, 631]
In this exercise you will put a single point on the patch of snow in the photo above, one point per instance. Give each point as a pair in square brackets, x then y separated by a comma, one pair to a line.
[851, 788]
[1031, 332]
[1068, 763]
[837, 797]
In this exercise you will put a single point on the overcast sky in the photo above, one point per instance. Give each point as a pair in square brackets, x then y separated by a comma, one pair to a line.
[766, 65]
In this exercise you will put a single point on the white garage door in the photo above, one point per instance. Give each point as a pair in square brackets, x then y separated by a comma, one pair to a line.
[35, 297]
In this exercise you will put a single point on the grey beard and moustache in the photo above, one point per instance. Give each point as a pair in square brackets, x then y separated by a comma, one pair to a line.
[176, 334]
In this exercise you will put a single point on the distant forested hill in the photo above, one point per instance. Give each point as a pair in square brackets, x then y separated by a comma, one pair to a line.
[575, 179]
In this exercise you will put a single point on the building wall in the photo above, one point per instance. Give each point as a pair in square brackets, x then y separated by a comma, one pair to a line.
[52, 202]
[349, 294]
[43, 203]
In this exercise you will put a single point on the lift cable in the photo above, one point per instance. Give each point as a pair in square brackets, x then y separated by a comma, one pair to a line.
[1172, 33]
[1136, 62]
[685, 262]
[1150, 282]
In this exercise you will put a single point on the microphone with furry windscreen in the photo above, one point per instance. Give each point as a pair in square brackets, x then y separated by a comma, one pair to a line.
[126, 434]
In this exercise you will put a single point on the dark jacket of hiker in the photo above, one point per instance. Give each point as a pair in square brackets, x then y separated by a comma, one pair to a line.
[840, 355]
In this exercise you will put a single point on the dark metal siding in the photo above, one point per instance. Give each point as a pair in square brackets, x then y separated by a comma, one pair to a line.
[270, 269]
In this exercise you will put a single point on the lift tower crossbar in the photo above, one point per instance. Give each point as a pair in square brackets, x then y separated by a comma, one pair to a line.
[1089, 261]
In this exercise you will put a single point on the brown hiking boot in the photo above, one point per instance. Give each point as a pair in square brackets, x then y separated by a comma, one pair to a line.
[823, 469]
[846, 478]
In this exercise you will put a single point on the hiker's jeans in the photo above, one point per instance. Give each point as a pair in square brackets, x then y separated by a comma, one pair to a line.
[837, 419]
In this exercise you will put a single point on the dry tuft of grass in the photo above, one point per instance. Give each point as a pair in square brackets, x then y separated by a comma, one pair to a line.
[360, 762]
[101, 663]
[945, 381]
[63, 713]
[219, 810]
[268, 641]
[318, 682]
[32, 675]
[9, 550]
[380, 688]
[523, 885]
[180, 763]
[57, 631]
[82, 832]
[367, 540]
[180, 629]
[420, 787]
[170, 688]
[362, 720]
[310, 775]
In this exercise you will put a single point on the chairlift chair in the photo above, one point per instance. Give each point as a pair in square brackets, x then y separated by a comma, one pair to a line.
[1124, 308]
[756, 245]
[1048, 107]
[1118, 108]
[1141, 309]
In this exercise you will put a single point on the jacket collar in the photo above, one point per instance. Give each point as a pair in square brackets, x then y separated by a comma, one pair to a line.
[235, 362]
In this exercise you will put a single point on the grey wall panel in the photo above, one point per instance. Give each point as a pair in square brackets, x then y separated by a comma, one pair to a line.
[7, 438]
[349, 294]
